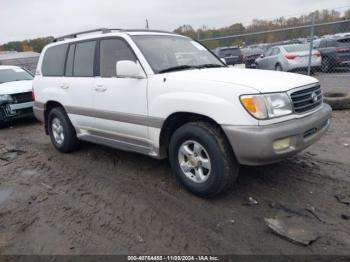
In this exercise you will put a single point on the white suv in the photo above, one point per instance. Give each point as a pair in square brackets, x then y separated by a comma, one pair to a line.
[165, 95]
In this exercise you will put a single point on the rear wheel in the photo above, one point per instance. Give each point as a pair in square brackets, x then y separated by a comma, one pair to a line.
[61, 131]
[202, 159]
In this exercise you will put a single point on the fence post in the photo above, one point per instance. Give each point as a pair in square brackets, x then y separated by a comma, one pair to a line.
[312, 31]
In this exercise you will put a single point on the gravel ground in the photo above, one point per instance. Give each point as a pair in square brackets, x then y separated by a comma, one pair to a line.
[103, 201]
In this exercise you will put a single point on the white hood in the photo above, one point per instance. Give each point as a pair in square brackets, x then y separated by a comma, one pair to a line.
[16, 87]
[261, 80]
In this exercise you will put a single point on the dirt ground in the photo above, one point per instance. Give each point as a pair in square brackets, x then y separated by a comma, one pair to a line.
[103, 201]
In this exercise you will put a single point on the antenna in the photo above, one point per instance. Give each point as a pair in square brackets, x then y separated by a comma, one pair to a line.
[147, 25]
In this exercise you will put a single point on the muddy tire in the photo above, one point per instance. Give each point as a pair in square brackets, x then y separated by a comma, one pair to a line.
[62, 133]
[202, 160]
[337, 100]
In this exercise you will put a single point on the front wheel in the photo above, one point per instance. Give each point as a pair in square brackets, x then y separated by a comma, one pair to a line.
[61, 131]
[202, 159]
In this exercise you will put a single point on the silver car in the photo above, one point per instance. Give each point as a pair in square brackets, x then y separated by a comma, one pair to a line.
[289, 58]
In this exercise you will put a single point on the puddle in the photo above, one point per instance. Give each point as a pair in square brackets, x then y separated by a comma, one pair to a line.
[4, 195]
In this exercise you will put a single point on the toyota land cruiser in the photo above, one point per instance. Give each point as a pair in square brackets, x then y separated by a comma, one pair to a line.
[165, 95]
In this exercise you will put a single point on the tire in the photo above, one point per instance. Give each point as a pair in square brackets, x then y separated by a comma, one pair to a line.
[278, 67]
[326, 65]
[223, 169]
[337, 100]
[3, 122]
[59, 123]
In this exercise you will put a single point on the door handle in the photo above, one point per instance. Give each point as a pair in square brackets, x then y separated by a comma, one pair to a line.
[100, 89]
[64, 86]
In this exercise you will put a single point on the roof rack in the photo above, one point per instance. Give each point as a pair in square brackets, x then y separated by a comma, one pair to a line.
[75, 35]
[105, 31]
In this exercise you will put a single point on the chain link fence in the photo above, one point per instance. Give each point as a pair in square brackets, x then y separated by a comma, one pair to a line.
[318, 49]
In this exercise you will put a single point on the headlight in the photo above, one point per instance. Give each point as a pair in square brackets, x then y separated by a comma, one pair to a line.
[266, 106]
[5, 98]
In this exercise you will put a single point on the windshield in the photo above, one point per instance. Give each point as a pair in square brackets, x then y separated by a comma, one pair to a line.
[296, 48]
[164, 53]
[14, 74]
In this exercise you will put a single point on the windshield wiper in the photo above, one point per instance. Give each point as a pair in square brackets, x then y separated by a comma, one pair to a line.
[209, 66]
[176, 68]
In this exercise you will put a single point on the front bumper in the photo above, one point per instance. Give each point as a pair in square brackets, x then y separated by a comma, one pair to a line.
[253, 145]
[10, 111]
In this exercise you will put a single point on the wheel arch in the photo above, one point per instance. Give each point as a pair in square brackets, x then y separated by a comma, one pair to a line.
[49, 105]
[175, 121]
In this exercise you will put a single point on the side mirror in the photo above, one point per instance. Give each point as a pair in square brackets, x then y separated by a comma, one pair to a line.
[129, 69]
[223, 60]
[262, 56]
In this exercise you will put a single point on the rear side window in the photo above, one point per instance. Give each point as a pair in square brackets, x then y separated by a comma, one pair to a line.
[53, 61]
[112, 51]
[275, 51]
[84, 59]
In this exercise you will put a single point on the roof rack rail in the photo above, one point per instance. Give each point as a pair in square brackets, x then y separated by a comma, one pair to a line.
[75, 35]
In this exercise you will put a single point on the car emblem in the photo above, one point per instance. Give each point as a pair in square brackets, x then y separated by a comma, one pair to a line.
[314, 97]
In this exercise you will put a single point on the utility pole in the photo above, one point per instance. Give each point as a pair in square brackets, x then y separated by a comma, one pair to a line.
[147, 25]
[312, 32]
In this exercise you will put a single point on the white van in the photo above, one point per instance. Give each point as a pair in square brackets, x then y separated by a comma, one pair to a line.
[165, 95]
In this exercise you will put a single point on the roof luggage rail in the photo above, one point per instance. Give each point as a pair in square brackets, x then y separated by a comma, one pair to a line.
[75, 35]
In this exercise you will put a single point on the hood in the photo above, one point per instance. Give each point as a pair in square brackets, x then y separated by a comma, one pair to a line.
[263, 81]
[16, 87]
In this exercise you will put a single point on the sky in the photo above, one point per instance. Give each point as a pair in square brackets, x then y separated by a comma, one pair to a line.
[27, 19]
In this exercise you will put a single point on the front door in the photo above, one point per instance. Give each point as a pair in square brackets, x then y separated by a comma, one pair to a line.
[120, 104]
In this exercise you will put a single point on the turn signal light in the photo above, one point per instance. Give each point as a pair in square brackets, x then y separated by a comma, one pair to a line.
[249, 104]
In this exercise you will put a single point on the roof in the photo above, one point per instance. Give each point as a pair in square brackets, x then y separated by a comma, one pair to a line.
[18, 55]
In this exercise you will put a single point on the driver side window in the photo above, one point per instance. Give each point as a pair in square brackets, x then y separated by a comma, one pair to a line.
[112, 51]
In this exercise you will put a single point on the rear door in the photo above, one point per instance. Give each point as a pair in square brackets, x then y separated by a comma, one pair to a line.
[120, 103]
[274, 58]
[79, 83]
[265, 62]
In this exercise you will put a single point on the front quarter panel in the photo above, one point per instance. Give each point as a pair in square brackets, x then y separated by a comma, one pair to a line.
[217, 100]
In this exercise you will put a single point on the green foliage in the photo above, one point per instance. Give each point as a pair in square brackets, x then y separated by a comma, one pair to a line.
[35, 45]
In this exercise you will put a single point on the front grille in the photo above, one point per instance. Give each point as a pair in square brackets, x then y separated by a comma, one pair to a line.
[306, 99]
[22, 98]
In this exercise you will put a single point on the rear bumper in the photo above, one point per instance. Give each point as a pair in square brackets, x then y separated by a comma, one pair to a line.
[38, 111]
[253, 145]
[301, 66]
